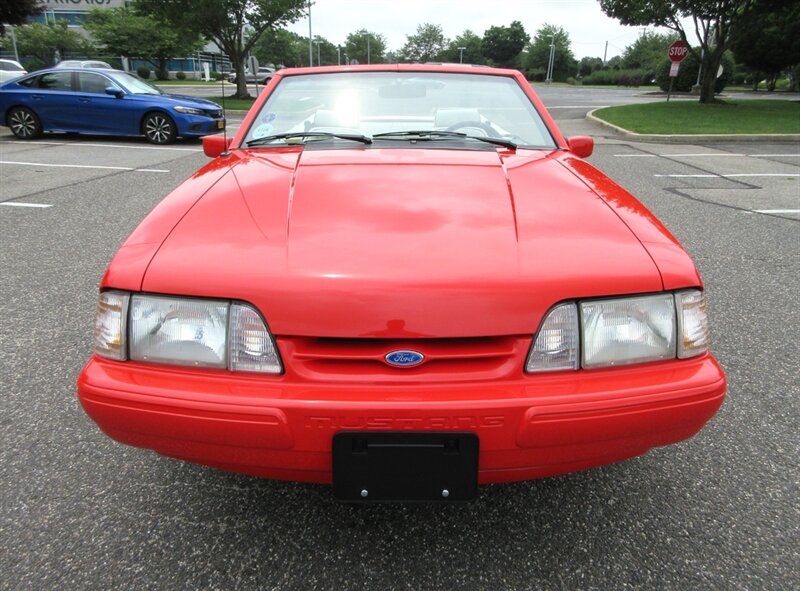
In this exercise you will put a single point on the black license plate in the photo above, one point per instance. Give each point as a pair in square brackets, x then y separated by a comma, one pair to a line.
[392, 466]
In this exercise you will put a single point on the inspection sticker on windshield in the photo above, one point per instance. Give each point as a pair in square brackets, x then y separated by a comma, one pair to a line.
[262, 130]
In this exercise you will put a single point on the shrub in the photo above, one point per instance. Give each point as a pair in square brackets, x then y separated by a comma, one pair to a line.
[573, 82]
[180, 76]
[143, 72]
[217, 76]
[687, 74]
[617, 78]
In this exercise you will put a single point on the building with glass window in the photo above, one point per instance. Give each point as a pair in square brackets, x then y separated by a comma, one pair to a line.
[72, 11]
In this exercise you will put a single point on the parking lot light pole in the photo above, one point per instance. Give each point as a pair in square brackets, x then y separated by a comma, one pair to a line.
[338, 55]
[552, 59]
[319, 61]
[310, 40]
[461, 55]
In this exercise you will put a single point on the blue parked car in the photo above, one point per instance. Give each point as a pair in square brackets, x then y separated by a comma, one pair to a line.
[102, 102]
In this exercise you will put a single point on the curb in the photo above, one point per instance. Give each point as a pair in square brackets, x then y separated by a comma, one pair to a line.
[693, 138]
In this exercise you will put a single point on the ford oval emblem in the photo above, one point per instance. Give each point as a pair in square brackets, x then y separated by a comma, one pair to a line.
[404, 358]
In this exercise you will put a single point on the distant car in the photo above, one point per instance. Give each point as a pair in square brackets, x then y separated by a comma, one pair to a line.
[103, 102]
[95, 64]
[265, 74]
[9, 69]
[411, 285]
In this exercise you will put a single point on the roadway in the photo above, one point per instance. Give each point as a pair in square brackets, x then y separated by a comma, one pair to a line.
[81, 512]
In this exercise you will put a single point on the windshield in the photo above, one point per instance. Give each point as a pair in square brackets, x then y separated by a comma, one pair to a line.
[133, 84]
[392, 104]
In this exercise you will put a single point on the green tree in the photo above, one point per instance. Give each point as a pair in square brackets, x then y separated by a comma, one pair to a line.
[647, 52]
[234, 25]
[713, 21]
[587, 65]
[42, 41]
[426, 45]
[538, 53]
[18, 12]
[281, 48]
[324, 51]
[473, 53]
[769, 41]
[366, 47]
[122, 32]
[503, 45]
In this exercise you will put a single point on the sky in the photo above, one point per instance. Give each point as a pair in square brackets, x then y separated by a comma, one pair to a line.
[588, 27]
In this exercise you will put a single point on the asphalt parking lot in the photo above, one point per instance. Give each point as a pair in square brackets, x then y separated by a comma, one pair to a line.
[719, 511]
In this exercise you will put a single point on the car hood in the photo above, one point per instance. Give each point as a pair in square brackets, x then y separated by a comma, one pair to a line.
[401, 242]
[179, 99]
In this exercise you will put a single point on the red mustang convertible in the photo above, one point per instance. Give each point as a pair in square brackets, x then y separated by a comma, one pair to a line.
[401, 280]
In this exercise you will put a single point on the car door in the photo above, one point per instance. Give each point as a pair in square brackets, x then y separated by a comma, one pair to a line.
[101, 112]
[55, 101]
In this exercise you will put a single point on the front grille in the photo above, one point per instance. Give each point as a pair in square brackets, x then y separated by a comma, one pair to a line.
[466, 359]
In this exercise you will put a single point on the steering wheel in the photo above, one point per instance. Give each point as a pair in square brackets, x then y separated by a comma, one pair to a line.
[486, 127]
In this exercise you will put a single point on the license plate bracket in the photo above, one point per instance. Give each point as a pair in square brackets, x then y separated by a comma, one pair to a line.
[395, 466]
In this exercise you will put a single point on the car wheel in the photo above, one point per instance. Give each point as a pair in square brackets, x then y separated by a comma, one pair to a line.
[24, 123]
[159, 129]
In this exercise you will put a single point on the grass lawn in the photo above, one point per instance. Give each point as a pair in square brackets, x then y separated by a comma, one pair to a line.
[185, 83]
[233, 104]
[691, 117]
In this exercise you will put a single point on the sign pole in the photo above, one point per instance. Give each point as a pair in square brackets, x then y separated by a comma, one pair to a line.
[676, 53]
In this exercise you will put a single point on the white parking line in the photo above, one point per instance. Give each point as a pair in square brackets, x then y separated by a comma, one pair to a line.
[107, 146]
[671, 155]
[706, 155]
[727, 176]
[83, 166]
[12, 204]
[777, 210]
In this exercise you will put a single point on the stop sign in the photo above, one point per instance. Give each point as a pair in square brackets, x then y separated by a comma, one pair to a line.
[678, 51]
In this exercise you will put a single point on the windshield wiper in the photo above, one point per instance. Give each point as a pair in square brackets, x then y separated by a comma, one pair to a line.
[426, 134]
[305, 134]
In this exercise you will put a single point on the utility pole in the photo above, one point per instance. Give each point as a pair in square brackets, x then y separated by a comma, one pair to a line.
[319, 61]
[461, 55]
[368, 56]
[338, 55]
[310, 48]
[605, 53]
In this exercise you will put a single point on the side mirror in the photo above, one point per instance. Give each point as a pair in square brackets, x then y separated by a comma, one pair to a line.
[581, 145]
[113, 91]
[214, 145]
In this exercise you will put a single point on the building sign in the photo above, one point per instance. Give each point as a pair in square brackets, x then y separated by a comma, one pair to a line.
[59, 5]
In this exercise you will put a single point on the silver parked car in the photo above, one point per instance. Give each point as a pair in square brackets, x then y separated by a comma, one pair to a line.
[96, 64]
[10, 69]
[263, 77]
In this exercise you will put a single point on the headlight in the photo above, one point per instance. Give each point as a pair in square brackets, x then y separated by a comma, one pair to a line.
[621, 331]
[190, 111]
[179, 331]
[184, 331]
[629, 330]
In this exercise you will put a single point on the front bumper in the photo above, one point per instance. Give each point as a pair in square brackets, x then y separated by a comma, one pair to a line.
[197, 125]
[530, 427]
